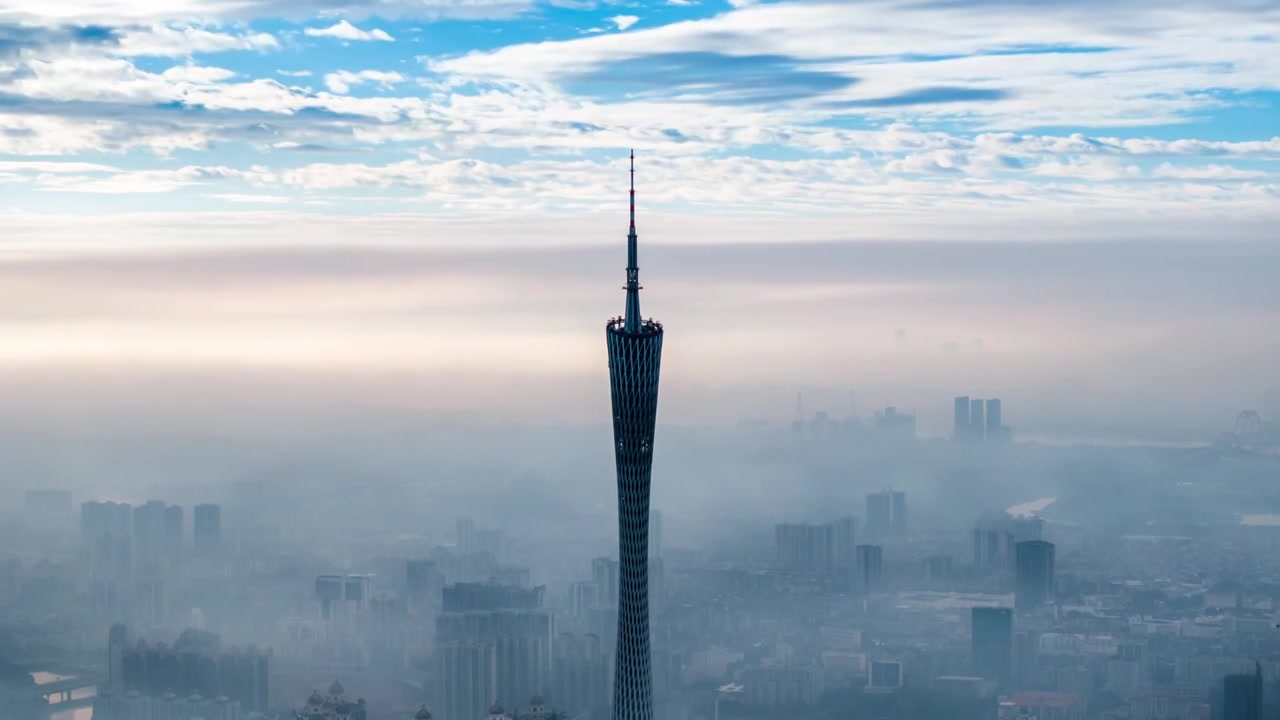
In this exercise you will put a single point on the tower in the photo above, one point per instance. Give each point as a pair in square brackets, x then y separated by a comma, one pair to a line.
[992, 640]
[994, 419]
[1242, 695]
[977, 419]
[961, 431]
[1034, 574]
[207, 534]
[635, 353]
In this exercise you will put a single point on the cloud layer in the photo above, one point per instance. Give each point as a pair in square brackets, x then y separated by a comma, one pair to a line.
[355, 127]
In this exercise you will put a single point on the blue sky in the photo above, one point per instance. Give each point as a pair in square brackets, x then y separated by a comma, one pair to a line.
[1003, 109]
[227, 129]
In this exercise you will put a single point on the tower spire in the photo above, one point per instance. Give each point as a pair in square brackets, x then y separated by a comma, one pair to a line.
[632, 317]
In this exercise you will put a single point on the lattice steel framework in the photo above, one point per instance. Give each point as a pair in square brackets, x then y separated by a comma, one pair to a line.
[635, 354]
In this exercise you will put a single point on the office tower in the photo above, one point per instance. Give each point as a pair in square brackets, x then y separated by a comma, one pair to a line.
[510, 621]
[328, 592]
[466, 532]
[1028, 528]
[581, 675]
[977, 419]
[879, 513]
[870, 566]
[635, 353]
[898, 519]
[960, 430]
[994, 426]
[1034, 579]
[844, 536]
[993, 644]
[1242, 696]
[468, 679]
[604, 573]
[655, 533]
[101, 519]
[148, 524]
[174, 537]
[117, 643]
[804, 547]
[207, 533]
[473, 597]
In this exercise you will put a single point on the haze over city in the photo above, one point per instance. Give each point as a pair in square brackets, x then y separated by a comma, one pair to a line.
[321, 397]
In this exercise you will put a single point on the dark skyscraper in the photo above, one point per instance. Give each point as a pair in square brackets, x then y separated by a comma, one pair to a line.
[961, 429]
[977, 419]
[635, 353]
[207, 532]
[879, 513]
[994, 420]
[1242, 696]
[993, 644]
[174, 531]
[870, 565]
[1033, 563]
[899, 520]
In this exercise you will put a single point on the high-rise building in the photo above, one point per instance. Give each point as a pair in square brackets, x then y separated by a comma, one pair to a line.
[960, 430]
[635, 354]
[898, 521]
[468, 679]
[844, 537]
[655, 534]
[993, 644]
[207, 531]
[105, 518]
[196, 663]
[466, 535]
[472, 597]
[977, 419]
[174, 535]
[870, 567]
[1242, 696]
[510, 621]
[804, 547]
[604, 573]
[994, 427]
[879, 513]
[117, 644]
[1034, 579]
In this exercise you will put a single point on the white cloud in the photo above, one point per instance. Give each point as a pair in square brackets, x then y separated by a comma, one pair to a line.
[344, 30]
[342, 80]
[1139, 67]
[1206, 172]
[128, 12]
[246, 198]
[140, 181]
[622, 22]
[174, 41]
[197, 74]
